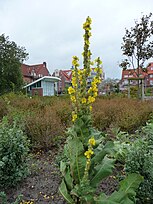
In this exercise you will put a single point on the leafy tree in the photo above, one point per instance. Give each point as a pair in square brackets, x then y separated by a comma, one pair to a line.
[137, 44]
[11, 57]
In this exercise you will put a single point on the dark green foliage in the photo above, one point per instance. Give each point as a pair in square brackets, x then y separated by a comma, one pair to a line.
[11, 57]
[3, 199]
[140, 160]
[13, 154]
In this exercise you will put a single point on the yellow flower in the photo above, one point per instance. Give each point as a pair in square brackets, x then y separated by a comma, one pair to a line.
[73, 99]
[74, 82]
[90, 107]
[84, 100]
[75, 61]
[92, 141]
[71, 90]
[94, 89]
[90, 90]
[91, 99]
[88, 153]
[95, 94]
[95, 80]
[74, 117]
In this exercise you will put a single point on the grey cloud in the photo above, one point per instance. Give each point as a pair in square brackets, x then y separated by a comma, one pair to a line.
[52, 31]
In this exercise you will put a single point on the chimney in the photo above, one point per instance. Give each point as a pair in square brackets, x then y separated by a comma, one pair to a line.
[44, 64]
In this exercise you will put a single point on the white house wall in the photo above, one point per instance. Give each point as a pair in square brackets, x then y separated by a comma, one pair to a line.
[48, 88]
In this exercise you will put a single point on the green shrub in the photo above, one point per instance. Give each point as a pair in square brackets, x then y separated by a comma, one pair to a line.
[13, 153]
[140, 160]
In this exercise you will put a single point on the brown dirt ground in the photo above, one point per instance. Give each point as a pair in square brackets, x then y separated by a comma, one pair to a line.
[41, 186]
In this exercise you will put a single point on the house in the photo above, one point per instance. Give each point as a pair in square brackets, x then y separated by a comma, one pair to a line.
[150, 74]
[66, 78]
[45, 86]
[131, 76]
[33, 72]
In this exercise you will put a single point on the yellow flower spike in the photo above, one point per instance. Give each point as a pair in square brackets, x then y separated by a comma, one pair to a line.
[74, 117]
[92, 141]
[71, 90]
[88, 153]
[84, 100]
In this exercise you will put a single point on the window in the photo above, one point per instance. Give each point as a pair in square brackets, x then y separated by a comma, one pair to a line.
[151, 75]
[151, 82]
[125, 76]
[125, 82]
[151, 68]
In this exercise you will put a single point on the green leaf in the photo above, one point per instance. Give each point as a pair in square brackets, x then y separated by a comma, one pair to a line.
[131, 182]
[62, 167]
[68, 180]
[75, 153]
[64, 192]
[103, 199]
[126, 193]
[101, 154]
[102, 171]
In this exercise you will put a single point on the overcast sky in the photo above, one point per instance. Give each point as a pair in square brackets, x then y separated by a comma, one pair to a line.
[51, 30]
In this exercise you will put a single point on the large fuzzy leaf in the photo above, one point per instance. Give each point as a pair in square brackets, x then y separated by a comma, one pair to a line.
[62, 167]
[102, 171]
[126, 193]
[64, 192]
[108, 148]
[68, 180]
[75, 153]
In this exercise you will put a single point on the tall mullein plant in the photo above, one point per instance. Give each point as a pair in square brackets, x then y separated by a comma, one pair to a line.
[87, 159]
[81, 96]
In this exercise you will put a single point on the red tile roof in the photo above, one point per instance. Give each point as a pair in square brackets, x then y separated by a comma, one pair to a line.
[67, 74]
[38, 69]
[131, 73]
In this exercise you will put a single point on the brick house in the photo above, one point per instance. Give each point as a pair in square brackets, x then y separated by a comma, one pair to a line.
[150, 74]
[33, 72]
[146, 75]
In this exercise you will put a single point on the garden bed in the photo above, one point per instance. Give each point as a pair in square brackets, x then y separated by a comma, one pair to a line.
[41, 186]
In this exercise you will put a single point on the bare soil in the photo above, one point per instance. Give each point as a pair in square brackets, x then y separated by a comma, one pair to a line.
[41, 186]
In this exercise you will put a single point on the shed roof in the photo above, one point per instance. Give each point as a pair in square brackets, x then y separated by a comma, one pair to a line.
[45, 78]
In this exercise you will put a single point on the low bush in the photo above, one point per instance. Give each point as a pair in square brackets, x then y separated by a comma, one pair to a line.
[3, 108]
[127, 114]
[43, 127]
[14, 148]
[140, 160]
[63, 110]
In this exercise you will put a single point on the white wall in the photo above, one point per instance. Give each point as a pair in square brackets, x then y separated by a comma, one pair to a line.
[48, 88]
